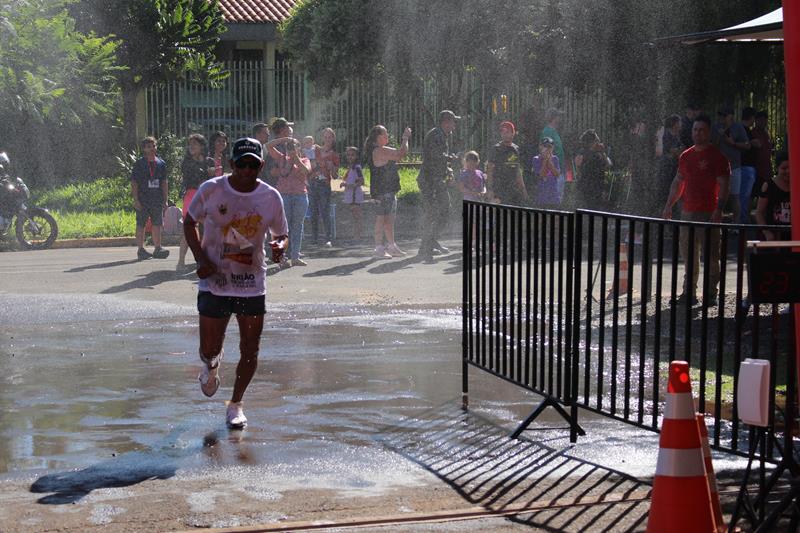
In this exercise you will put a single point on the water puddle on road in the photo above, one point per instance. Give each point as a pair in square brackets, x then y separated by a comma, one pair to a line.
[119, 399]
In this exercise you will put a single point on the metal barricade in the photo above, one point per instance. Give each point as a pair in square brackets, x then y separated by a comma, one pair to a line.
[518, 286]
[586, 309]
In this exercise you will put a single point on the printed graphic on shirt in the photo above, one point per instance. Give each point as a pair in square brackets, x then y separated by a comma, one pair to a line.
[512, 161]
[236, 245]
[783, 213]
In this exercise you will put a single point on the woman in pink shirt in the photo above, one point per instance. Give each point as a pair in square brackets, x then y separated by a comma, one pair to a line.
[293, 171]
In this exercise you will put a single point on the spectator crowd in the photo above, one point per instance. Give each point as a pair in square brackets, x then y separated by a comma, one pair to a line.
[715, 170]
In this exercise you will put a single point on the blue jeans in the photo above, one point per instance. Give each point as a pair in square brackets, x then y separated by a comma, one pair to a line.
[562, 181]
[319, 196]
[745, 193]
[295, 206]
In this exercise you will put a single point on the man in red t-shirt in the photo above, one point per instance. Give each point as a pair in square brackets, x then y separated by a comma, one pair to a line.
[703, 184]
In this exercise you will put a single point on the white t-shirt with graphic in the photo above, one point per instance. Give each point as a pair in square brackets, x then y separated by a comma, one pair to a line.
[235, 225]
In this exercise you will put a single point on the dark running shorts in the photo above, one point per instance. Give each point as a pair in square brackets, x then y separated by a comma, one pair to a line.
[387, 204]
[213, 306]
[153, 211]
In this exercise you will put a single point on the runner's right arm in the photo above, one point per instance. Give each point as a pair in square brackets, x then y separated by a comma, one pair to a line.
[205, 267]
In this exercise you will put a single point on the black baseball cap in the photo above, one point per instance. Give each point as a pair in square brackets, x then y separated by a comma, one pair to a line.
[446, 113]
[247, 146]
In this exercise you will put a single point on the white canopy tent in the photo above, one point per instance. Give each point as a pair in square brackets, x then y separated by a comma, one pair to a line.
[766, 28]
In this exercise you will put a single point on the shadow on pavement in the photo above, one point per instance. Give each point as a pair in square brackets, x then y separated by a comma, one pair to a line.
[149, 281]
[394, 266]
[341, 270]
[456, 265]
[101, 265]
[482, 464]
[129, 469]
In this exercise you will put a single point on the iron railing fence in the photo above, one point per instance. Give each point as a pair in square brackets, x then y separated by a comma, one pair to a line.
[585, 309]
[252, 93]
[255, 92]
[632, 320]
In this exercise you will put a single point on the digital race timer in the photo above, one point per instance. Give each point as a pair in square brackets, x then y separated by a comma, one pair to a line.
[774, 273]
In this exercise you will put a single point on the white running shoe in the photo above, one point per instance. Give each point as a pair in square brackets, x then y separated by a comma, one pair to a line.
[394, 251]
[235, 416]
[209, 377]
[381, 253]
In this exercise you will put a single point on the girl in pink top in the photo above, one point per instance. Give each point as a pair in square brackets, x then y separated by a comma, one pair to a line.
[320, 187]
[353, 193]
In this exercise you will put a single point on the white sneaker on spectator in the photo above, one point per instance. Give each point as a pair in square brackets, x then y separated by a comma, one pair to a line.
[209, 378]
[234, 416]
[328, 244]
[394, 251]
[381, 253]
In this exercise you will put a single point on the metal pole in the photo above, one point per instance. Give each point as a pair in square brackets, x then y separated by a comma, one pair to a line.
[466, 301]
[791, 51]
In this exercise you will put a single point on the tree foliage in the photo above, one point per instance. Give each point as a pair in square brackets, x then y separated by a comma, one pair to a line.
[336, 42]
[603, 44]
[48, 70]
[56, 85]
[159, 40]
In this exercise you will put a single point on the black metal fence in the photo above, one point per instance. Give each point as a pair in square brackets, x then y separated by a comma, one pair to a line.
[586, 308]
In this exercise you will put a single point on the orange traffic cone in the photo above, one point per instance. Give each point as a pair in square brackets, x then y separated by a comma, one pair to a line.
[710, 475]
[680, 500]
[622, 281]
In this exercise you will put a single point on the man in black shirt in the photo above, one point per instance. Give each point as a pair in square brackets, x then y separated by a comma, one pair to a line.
[432, 180]
[504, 168]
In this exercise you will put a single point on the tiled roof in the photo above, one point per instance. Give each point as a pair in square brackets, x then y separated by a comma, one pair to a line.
[256, 11]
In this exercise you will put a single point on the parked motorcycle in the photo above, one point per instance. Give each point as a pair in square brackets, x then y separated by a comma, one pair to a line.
[36, 229]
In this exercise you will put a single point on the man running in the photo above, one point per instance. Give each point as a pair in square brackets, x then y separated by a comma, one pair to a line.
[237, 211]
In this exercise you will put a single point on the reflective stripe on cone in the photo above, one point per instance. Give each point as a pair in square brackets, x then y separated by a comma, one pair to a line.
[680, 463]
[678, 405]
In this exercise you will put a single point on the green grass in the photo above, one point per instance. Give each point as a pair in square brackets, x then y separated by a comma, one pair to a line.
[103, 195]
[78, 225]
[103, 207]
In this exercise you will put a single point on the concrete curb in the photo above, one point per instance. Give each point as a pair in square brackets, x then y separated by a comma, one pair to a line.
[102, 242]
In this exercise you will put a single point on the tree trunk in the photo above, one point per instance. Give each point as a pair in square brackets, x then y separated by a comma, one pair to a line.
[129, 91]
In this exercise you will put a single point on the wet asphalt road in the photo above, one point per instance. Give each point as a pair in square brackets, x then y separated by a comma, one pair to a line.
[354, 411]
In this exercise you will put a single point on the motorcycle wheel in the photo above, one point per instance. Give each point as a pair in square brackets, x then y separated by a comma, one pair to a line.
[37, 229]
